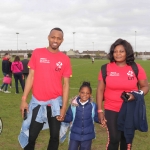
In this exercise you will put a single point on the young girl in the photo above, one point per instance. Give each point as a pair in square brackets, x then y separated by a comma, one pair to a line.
[82, 117]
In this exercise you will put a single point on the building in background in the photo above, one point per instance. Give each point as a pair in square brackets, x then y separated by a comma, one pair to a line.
[98, 54]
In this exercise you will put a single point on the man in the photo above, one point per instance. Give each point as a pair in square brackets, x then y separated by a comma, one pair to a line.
[47, 68]
[25, 70]
[6, 65]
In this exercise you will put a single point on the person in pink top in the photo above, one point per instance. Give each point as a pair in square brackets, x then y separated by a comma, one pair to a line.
[16, 68]
[120, 77]
[49, 75]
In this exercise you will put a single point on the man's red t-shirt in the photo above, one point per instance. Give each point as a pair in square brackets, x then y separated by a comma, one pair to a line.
[49, 69]
[119, 79]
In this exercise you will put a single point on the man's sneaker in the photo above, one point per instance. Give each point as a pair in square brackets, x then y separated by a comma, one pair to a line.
[1, 90]
[7, 92]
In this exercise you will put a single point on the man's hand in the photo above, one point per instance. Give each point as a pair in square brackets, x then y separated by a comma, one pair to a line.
[28, 86]
[62, 114]
[64, 100]
[23, 106]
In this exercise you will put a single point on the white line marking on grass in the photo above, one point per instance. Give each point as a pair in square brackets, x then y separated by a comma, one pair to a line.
[81, 64]
[72, 88]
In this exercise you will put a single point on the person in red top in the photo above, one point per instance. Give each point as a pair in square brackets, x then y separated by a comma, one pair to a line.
[48, 67]
[120, 77]
[6, 71]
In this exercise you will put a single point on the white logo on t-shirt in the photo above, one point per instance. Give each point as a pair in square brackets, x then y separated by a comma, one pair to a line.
[44, 60]
[59, 64]
[114, 74]
[130, 73]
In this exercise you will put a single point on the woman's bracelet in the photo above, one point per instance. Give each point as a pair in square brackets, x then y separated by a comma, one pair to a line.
[100, 110]
[141, 91]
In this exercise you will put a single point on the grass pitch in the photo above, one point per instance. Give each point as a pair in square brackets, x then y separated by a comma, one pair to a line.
[83, 70]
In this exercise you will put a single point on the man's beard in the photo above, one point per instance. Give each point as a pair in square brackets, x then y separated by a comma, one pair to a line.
[54, 48]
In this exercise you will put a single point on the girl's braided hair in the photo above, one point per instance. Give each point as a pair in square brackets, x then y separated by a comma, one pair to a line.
[86, 84]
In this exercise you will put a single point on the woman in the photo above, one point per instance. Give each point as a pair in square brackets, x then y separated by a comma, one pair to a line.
[16, 69]
[118, 80]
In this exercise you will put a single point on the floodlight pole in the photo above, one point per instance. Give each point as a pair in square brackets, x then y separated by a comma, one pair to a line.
[26, 47]
[73, 40]
[93, 48]
[135, 41]
[17, 41]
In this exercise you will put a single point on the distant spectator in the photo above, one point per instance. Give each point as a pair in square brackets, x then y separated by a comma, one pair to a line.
[25, 70]
[6, 71]
[92, 60]
[10, 73]
[17, 68]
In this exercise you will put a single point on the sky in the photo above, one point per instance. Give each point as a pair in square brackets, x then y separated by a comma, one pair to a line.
[96, 24]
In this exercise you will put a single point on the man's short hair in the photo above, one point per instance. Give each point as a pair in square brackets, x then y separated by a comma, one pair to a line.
[58, 29]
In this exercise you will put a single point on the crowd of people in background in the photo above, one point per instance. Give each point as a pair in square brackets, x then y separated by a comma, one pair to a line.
[17, 69]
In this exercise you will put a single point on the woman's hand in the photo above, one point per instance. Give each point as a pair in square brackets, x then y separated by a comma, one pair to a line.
[102, 119]
[131, 97]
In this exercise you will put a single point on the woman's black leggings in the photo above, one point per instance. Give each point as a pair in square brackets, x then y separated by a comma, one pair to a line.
[114, 136]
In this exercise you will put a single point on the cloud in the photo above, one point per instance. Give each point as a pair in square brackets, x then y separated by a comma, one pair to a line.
[101, 22]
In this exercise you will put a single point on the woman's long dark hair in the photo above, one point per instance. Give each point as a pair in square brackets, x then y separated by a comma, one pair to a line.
[17, 58]
[128, 48]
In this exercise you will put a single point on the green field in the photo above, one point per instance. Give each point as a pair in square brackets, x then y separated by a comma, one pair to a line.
[83, 70]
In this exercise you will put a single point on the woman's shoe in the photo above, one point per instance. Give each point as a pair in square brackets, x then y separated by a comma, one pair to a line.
[7, 92]
[1, 90]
